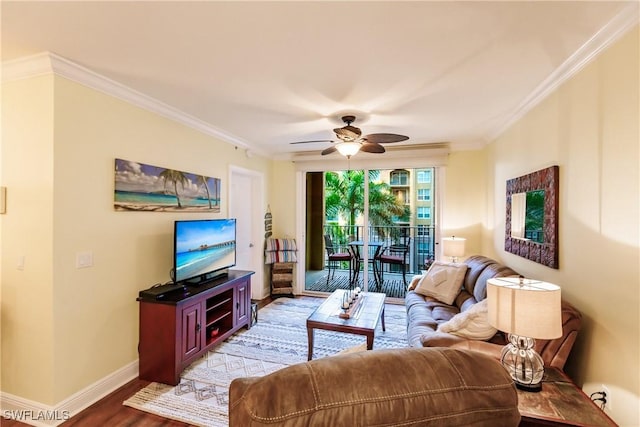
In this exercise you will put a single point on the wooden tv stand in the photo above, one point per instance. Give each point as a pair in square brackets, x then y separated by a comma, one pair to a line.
[182, 325]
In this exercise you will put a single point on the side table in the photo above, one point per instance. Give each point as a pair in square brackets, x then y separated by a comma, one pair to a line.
[560, 403]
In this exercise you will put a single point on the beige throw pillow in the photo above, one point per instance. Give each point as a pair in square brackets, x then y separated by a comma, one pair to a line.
[471, 324]
[443, 281]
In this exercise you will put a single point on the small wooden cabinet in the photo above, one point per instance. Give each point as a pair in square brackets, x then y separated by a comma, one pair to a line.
[182, 325]
[282, 278]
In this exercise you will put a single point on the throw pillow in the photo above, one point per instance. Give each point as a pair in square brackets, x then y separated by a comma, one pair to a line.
[443, 281]
[471, 324]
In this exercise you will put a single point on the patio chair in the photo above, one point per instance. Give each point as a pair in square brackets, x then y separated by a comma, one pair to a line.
[395, 254]
[334, 258]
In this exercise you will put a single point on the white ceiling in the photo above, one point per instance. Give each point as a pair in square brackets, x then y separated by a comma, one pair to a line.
[264, 74]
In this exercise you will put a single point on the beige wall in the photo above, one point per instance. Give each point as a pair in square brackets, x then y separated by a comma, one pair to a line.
[71, 327]
[282, 199]
[464, 198]
[589, 127]
[27, 233]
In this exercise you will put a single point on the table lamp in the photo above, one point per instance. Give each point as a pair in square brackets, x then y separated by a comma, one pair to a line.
[526, 310]
[453, 247]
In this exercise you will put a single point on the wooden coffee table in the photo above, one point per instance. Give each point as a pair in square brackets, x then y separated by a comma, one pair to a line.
[363, 322]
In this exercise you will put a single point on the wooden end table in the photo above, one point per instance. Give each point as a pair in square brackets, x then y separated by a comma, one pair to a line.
[364, 321]
[560, 403]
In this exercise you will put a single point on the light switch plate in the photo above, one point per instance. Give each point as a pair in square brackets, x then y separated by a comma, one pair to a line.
[84, 259]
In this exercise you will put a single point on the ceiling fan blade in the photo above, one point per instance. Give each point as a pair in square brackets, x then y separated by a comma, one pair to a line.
[384, 138]
[309, 142]
[329, 150]
[372, 147]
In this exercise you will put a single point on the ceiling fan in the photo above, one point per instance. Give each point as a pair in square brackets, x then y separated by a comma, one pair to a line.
[350, 140]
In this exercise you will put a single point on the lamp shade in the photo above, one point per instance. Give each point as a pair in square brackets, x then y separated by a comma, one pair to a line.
[348, 149]
[525, 307]
[453, 246]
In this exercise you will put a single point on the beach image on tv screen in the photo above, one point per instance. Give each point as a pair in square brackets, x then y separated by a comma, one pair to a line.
[203, 247]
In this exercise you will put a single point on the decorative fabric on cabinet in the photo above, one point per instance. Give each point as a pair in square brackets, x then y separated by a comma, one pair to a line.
[281, 254]
[280, 250]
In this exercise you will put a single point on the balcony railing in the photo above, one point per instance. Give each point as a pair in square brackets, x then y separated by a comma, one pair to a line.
[421, 243]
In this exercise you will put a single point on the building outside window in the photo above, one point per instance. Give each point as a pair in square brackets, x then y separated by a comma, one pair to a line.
[423, 230]
[424, 212]
[424, 176]
[399, 177]
[424, 194]
[401, 195]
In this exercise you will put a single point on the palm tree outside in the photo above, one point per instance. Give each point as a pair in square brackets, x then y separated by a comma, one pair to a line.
[344, 198]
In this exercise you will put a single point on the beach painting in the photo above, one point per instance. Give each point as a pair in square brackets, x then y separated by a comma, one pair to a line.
[141, 187]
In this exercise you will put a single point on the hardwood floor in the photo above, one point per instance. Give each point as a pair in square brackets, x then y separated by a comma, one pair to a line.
[110, 410]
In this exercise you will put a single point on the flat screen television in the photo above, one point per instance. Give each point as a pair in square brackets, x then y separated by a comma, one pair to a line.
[203, 249]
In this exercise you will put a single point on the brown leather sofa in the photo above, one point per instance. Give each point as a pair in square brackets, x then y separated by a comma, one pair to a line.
[424, 314]
[409, 387]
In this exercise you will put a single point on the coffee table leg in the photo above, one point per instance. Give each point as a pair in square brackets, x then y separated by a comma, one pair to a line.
[310, 342]
[370, 341]
[382, 316]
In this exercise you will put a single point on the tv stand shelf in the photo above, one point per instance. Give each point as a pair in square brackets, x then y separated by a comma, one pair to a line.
[184, 324]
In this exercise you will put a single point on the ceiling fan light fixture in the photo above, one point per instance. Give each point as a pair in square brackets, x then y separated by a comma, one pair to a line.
[348, 149]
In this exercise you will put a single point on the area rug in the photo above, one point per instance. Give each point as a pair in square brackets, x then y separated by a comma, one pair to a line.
[279, 339]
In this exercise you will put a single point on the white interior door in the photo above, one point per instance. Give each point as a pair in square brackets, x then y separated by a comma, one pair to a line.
[246, 196]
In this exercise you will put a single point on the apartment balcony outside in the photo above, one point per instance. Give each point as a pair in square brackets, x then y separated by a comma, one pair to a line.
[421, 248]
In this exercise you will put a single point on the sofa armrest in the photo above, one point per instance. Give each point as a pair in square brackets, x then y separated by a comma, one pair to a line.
[442, 339]
[492, 350]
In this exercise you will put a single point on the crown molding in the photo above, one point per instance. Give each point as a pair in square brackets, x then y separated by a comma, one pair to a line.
[27, 67]
[619, 25]
[49, 63]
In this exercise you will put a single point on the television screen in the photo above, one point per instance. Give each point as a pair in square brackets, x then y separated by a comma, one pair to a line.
[202, 247]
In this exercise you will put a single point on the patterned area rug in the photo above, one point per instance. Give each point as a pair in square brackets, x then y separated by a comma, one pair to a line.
[278, 339]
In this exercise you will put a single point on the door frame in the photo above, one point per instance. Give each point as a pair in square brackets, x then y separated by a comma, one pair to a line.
[259, 288]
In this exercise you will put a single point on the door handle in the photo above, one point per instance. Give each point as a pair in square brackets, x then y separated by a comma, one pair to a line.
[250, 245]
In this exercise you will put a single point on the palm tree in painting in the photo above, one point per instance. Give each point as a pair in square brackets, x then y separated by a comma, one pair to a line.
[216, 191]
[202, 181]
[175, 177]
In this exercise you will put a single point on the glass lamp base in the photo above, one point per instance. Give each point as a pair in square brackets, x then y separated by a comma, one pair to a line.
[529, 387]
[523, 363]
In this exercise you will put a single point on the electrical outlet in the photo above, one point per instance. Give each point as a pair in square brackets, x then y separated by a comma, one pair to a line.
[609, 404]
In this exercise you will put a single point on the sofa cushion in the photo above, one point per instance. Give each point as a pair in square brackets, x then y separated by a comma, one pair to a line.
[442, 281]
[472, 323]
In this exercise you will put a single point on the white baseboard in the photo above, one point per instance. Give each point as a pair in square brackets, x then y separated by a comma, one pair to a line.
[41, 415]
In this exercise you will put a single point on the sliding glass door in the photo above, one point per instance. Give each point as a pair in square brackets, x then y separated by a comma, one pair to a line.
[383, 218]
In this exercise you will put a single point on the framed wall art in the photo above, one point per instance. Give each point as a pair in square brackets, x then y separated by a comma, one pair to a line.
[142, 187]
